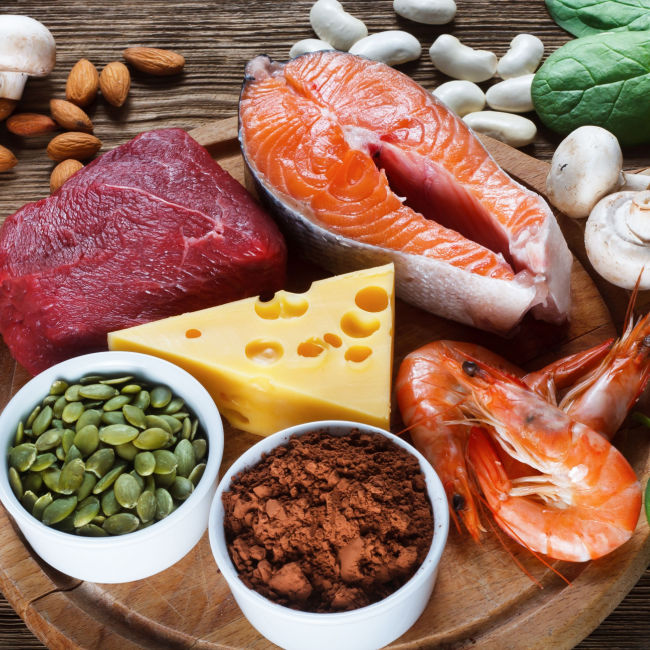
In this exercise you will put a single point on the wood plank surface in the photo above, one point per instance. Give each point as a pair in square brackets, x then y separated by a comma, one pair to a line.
[217, 39]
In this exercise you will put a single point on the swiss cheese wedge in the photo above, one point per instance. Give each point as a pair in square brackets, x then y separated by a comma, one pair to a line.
[323, 354]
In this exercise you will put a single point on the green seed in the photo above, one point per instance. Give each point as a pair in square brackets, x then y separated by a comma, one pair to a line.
[175, 405]
[72, 476]
[59, 405]
[195, 428]
[87, 439]
[91, 530]
[127, 491]
[72, 412]
[166, 461]
[87, 485]
[127, 451]
[57, 424]
[196, 474]
[110, 506]
[142, 400]
[134, 416]
[174, 424]
[155, 421]
[146, 507]
[72, 393]
[181, 415]
[20, 433]
[41, 503]
[33, 481]
[60, 453]
[108, 479]
[90, 379]
[15, 482]
[184, 452]
[73, 453]
[43, 461]
[121, 523]
[113, 417]
[42, 421]
[187, 428]
[51, 478]
[67, 525]
[149, 483]
[164, 503]
[160, 397]
[49, 400]
[58, 387]
[59, 509]
[181, 488]
[165, 480]
[116, 380]
[32, 416]
[89, 416]
[116, 403]
[99, 519]
[49, 440]
[152, 439]
[139, 480]
[144, 463]
[101, 461]
[67, 439]
[200, 446]
[131, 389]
[97, 391]
[86, 511]
[23, 456]
[117, 434]
[29, 500]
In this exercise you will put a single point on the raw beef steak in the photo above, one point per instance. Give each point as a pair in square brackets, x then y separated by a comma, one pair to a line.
[151, 229]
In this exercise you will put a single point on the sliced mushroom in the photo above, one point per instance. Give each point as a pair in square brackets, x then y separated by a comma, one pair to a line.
[617, 238]
[27, 49]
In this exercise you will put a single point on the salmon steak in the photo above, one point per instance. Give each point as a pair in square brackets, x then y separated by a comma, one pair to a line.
[362, 166]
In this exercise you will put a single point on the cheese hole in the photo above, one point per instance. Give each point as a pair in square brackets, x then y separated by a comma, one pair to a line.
[284, 305]
[293, 306]
[193, 334]
[234, 417]
[357, 353]
[310, 348]
[372, 299]
[333, 340]
[268, 310]
[358, 325]
[264, 352]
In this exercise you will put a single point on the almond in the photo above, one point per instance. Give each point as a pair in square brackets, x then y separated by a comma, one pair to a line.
[7, 159]
[6, 107]
[62, 172]
[154, 61]
[70, 116]
[83, 83]
[114, 82]
[73, 144]
[30, 124]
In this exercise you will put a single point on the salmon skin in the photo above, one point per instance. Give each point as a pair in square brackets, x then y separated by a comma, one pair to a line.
[363, 166]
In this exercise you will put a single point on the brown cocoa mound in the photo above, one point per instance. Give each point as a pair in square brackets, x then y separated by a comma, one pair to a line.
[328, 523]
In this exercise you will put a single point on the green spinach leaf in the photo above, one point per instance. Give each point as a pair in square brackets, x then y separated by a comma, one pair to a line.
[603, 80]
[586, 17]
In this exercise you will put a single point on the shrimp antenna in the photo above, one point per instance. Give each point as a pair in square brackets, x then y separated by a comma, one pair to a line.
[632, 301]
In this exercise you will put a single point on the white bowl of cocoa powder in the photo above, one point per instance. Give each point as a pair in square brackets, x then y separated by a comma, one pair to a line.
[329, 535]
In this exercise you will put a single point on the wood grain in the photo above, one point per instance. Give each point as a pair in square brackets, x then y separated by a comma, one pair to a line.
[217, 39]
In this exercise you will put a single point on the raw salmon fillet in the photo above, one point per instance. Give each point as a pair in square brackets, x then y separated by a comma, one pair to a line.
[362, 166]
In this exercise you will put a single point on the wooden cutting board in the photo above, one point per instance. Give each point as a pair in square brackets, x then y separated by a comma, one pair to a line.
[481, 598]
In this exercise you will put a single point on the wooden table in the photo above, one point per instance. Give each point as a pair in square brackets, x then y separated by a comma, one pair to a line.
[217, 38]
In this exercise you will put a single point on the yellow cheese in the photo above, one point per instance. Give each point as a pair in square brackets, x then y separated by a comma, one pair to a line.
[323, 354]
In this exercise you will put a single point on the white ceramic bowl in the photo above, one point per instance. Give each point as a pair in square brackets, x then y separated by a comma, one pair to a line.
[134, 555]
[365, 628]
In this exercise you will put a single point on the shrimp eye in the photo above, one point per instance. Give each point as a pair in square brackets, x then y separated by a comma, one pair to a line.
[470, 368]
[458, 502]
[646, 342]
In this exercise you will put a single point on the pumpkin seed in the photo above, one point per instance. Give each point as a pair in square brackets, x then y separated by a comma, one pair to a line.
[195, 428]
[98, 391]
[113, 417]
[186, 428]
[42, 421]
[67, 439]
[174, 406]
[164, 480]
[121, 523]
[160, 397]
[32, 481]
[110, 506]
[146, 507]
[151, 439]
[117, 434]
[23, 456]
[59, 405]
[180, 415]
[41, 503]
[72, 393]
[200, 446]
[87, 439]
[43, 461]
[166, 461]
[72, 476]
[57, 424]
[86, 511]
[144, 463]
[73, 453]
[142, 400]
[184, 452]
[127, 451]
[72, 412]
[91, 530]
[149, 483]
[157, 422]
[49, 440]
[108, 479]
[99, 520]
[51, 478]
[174, 424]
[139, 480]
[49, 400]
[197, 473]
[116, 380]
[134, 416]
[116, 403]
[58, 387]
[101, 461]
[29, 500]
[59, 509]
[60, 453]
[127, 491]
[164, 503]
[67, 525]
[131, 389]
[87, 485]
[20, 433]
[32, 416]
[181, 488]
[91, 379]
[89, 416]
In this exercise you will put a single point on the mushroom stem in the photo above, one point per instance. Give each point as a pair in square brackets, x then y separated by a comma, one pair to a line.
[12, 84]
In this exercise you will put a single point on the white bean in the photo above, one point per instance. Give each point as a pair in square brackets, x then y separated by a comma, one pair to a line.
[334, 25]
[512, 95]
[515, 130]
[429, 12]
[523, 57]
[308, 45]
[461, 96]
[456, 60]
[391, 47]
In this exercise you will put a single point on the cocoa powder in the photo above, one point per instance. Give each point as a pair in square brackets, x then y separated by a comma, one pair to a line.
[327, 523]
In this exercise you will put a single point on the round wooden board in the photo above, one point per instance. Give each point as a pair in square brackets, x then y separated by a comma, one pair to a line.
[481, 598]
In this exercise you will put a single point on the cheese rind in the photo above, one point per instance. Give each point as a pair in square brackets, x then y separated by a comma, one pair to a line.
[323, 354]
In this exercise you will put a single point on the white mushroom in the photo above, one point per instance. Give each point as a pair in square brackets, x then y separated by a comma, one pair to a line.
[459, 61]
[429, 12]
[334, 25]
[308, 45]
[391, 47]
[461, 96]
[617, 238]
[586, 166]
[26, 49]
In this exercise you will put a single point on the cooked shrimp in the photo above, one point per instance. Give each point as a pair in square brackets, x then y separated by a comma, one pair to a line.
[581, 499]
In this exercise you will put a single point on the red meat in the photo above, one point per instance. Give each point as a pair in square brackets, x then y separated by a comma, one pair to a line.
[151, 229]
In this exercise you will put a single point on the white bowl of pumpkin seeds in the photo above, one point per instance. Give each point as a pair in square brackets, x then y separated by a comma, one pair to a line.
[110, 464]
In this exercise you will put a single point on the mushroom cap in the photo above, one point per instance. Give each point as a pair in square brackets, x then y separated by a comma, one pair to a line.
[617, 238]
[26, 46]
